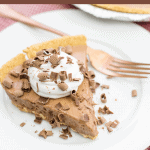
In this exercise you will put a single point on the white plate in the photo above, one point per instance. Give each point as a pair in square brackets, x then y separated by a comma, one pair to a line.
[108, 14]
[123, 40]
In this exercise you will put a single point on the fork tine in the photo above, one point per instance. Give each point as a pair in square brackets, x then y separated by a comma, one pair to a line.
[128, 66]
[114, 74]
[127, 62]
[126, 71]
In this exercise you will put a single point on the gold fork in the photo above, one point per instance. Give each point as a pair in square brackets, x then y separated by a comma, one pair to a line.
[110, 65]
[100, 60]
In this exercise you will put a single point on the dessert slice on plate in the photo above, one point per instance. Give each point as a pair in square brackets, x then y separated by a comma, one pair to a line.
[53, 84]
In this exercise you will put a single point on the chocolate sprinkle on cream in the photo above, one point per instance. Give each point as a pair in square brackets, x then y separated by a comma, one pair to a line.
[37, 86]
[63, 75]
[53, 76]
[42, 76]
[63, 86]
[43, 100]
[70, 77]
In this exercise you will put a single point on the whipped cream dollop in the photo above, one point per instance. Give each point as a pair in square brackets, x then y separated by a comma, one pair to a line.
[49, 88]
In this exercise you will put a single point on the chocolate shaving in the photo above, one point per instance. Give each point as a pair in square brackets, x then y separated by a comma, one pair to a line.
[101, 120]
[109, 129]
[114, 124]
[70, 77]
[58, 106]
[54, 123]
[63, 86]
[26, 86]
[84, 118]
[134, 93]
[63, 136]
[45, 133]
[61, 117]
[36, 131]
[18, 93]
[22, 124]
[50, 50]
[63, 75]
[24, 70]
[105, 86]
[54, 60]
[97, 84]
[37, 86]
[69, 60]
[28, 63]
[53, 76]
[37, 63]
[24, 76]
[76, 79]
[40, 53]
[43, 100]
[67, 132]
[40, 58]
[105, 110]
[38, 119]
[66, 107]
[42, 76]
[103, 98]
[73, 94]
[82, 69]
[68, 49]
[108, 124]
[91, 74]
[7, 82]
[14, 73]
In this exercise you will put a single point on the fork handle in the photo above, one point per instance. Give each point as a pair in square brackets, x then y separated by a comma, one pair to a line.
[7, 12]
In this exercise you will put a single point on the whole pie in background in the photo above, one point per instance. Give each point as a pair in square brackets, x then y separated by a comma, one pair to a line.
[127, 8]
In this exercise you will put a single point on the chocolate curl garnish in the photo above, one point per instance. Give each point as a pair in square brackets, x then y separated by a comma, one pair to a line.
[40, 58]
[38, 119]
[68, 49]
[40, 53]
[14, 73]
[105, 86]
[8, 83]
[114, 124]
[70, 77]
[43, 100]
[84, 118]
[54, 60]
[58, 106]
[91, 74]
[84, 71]
[50, 50]
[24, 76]
[63, 86]
[101, 120]
[63, 75]
[61, 117]
[26, 86]
[69, 60]
[73, 95]
[18, 93]
[103, 98]
[42, 76]
[37, 63]
[76, 79]
[28, 63]
[53, 76]
[24, 70]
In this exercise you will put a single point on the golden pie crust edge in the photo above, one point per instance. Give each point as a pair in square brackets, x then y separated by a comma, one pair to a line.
[124, 9]
[31, 51]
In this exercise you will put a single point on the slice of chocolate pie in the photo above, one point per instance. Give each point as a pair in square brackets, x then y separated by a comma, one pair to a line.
[53, 84]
